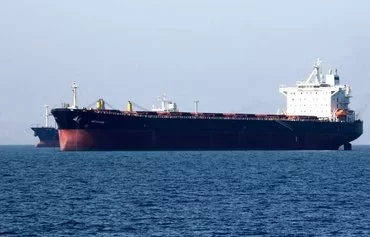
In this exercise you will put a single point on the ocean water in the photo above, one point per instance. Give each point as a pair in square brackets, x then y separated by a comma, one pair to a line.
[45, 192]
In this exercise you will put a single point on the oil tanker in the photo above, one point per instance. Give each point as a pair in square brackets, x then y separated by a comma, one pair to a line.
[317, 117]
[47, 135]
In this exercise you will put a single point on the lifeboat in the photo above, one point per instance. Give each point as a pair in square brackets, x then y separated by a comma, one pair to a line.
[341, 113]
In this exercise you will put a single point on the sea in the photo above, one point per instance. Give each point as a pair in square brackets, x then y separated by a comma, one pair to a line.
[46, 192]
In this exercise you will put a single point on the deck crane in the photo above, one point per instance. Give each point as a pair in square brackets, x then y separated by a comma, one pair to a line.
[138, 106]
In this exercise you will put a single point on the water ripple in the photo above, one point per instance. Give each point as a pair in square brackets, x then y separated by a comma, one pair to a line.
[260, 193]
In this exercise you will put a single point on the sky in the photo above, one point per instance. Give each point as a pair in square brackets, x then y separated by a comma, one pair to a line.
[230, 55]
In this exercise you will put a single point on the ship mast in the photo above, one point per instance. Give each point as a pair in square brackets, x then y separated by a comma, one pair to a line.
[46, 116]
[74, 91]
[196, 102]
[315, 76]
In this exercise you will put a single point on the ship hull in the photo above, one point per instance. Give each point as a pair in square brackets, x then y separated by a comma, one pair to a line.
[89, 130]
[48, 136]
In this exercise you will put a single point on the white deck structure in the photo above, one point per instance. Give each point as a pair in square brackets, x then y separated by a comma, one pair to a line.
[166, 105]
[320, 96]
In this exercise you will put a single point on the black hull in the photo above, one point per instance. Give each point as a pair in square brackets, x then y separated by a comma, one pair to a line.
[91, 130]
[48, 136]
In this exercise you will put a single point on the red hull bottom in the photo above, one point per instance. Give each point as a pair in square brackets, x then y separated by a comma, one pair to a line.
[76, 139]
[96, 139]
[48, 144]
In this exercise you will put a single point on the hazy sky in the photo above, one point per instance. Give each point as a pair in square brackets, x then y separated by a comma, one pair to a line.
[232, 55]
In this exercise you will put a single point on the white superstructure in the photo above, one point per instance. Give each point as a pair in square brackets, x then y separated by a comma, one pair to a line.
[319, 96]
[166, 105]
